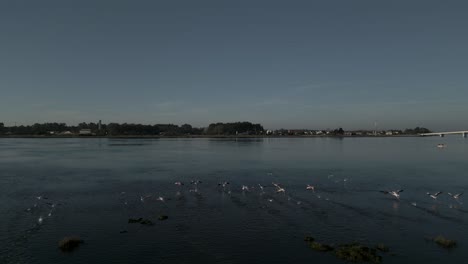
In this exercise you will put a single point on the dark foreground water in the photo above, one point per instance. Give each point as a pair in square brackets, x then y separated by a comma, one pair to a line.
[91, 187]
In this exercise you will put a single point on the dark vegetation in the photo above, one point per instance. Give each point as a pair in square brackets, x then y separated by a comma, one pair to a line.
[417, 130]
[115, 129]
[353, 252]
[443, 242]
[214, 129]
[245, 128]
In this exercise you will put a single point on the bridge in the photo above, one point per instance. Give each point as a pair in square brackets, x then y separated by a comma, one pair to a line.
[442, 134]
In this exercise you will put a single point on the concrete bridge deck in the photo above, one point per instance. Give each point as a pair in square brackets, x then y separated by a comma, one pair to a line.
[442, 134]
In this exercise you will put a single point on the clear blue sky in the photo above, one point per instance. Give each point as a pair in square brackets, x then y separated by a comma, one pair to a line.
[292, 64]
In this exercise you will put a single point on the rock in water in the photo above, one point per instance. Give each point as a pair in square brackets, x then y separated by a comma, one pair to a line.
[69, 243]
[320, 247]
[445, 242]
[135, 220]
[357, 253]
[146, 222]
[163, 217]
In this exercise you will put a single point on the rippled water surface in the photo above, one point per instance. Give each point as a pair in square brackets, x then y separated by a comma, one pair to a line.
[91, 187]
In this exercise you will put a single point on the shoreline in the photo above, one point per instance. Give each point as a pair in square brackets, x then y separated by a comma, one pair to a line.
[203, 136]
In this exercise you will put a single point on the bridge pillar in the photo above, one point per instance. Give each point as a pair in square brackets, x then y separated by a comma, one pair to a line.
[441, 135]
[464, 135]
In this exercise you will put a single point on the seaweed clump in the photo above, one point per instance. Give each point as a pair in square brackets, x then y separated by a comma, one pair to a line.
[357, 253]
[68, 244]
[140, 220]
[321, 247]
[353, 252]
[444, 242]
[382, 247]
[316, 245]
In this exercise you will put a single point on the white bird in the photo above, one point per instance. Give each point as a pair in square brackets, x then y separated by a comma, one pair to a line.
[396, 194]
[261, 187]
[245, 188]
[310, 187]
[160, 199]
[270, 200]
[39, 197]
[434, 196]
[178, 183]
[40, 220]
[279, 188]
[142, 198]
[223, 184]
[455, 196]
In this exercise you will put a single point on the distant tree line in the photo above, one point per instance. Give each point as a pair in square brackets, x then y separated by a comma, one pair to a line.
[338, 132]
[115, 129]
[417, 130]
[237, 128]
[125, 129]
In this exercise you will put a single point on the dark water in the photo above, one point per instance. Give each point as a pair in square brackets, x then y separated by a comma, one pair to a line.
[84, 179]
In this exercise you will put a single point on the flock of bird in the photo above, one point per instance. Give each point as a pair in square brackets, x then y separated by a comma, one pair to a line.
[51, 207]
[434, 196]
[278, 188]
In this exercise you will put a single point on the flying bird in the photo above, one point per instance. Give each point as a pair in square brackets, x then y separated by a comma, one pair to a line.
[455, 196]
[279, 188]
[261, 187]
[434, 196]
[395, 194]
[224, 184]
[310, 187]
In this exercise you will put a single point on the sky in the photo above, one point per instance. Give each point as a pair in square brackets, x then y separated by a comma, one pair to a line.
[284, 64]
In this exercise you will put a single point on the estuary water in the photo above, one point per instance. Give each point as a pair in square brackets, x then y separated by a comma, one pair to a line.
[53, 188]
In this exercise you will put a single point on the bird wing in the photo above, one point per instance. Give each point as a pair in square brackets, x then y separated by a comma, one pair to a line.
[399, 191]
[384, 192]
[437, 193]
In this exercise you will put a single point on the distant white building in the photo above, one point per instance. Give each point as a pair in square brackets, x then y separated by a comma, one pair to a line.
[85, 132]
